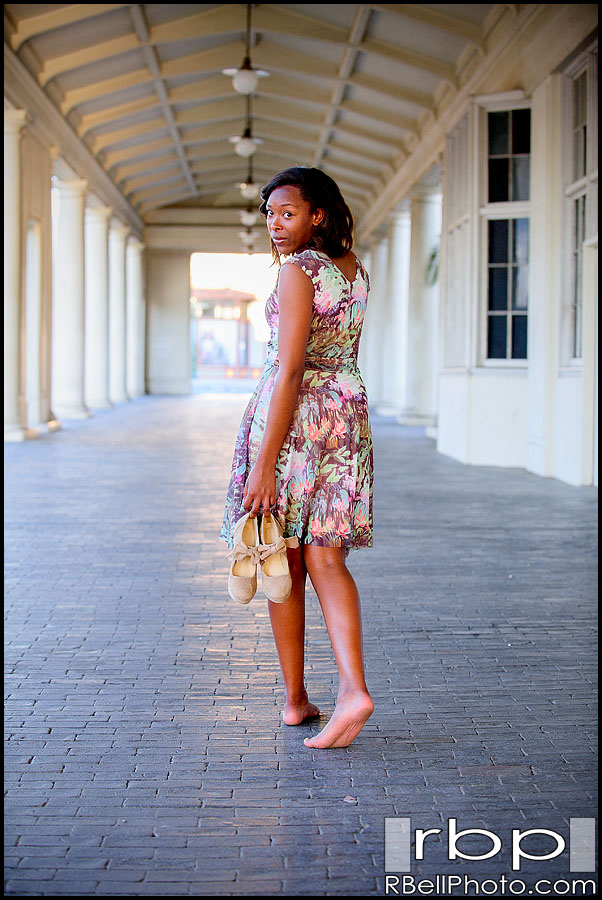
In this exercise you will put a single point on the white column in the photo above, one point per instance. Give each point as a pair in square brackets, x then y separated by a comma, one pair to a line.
[374, 323]
[14, 122]
[68, 305]
[97, 307]
[142, 324]
[134, 317]
[117, 320]
[420, 403]
[396, 333]
[545, 274]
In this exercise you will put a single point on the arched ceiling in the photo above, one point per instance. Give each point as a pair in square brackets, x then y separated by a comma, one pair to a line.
[351, 87]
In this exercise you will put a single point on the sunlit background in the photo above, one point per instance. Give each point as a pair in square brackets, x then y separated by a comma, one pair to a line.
[228, 329]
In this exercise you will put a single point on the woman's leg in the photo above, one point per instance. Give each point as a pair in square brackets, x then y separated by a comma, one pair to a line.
[288, 625]
[340, 602]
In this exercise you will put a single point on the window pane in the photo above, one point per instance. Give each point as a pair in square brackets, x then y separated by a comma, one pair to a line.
[579, 153]
[521, 131]
[496, 339]
[579, 125]
[498, 241]
[579, 212]
[520, 178]
[499, 133]
[520, 287]
[580, 100]
[520, 241]
[519, 337]
[498, 288]
[498, 180]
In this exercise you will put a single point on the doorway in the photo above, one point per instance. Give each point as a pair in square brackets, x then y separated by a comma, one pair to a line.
[228, 330]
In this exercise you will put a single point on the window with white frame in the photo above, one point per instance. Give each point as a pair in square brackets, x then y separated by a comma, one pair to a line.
[580, 189]
[505, 217]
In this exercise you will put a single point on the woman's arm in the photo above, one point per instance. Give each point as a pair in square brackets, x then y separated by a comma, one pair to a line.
[295, 297]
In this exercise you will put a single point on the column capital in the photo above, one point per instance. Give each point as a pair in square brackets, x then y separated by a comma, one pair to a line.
[98, 213]
[134, 244]
[76, 187]
[399, 218]
[15, 120]
[421, 193]
[118, 230]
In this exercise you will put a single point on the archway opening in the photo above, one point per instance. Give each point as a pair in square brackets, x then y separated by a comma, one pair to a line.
[228, 329]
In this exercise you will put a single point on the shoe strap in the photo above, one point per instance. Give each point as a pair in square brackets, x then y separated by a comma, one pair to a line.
[261, 551]
[241, 551]
[267, 550]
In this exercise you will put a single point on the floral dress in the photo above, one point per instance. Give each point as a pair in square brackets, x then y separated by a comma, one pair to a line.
[325, 468]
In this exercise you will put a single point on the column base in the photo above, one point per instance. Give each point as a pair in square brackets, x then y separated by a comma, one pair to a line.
[72, 412]
[121, 398]
[13, 434]
[413, 417]
[386, 409]
[37, 430]
[101, 403]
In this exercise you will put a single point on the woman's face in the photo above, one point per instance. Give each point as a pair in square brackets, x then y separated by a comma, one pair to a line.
[290, 222]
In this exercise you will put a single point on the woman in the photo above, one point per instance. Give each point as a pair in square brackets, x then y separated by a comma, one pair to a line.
[304, 448]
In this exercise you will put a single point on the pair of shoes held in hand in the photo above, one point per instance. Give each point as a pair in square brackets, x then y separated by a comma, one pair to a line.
[260, 545]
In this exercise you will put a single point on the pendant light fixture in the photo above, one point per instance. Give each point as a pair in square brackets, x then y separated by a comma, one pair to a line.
[244, 79]
[246, 145]
[248, 188]
[248, 239]
[248, 217]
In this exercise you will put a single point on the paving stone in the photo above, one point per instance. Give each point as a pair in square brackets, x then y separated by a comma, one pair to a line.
[144, 749]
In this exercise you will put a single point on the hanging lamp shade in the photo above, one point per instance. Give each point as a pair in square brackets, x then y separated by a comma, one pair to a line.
[246, 144]
[249, 190]
[245, 78]
[248, 217]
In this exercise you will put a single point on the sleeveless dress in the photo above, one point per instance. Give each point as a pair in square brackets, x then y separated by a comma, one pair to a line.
[324, 471]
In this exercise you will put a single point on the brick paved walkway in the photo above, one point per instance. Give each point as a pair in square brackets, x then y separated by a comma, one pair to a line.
[145, 754]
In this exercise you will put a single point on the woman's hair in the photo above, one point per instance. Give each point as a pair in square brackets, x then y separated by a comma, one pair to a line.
[334, 234]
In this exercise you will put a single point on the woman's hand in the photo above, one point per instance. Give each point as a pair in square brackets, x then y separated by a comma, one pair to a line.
[260, 489]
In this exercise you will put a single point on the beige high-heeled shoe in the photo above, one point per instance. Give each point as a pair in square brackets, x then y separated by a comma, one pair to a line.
[276, 577]
[242, 578]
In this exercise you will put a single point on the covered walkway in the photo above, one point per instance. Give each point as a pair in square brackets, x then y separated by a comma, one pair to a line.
[145, 753]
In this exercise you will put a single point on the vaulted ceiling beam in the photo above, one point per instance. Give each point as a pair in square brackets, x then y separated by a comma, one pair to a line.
[120, 173]
[350, 54]
[433, 18]
[69, 14]
[391, 89]
[150, 55]
[218, 86]
[77, 59]
[127, 185]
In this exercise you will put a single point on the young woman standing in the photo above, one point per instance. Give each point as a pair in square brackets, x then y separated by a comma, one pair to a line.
[304, 448]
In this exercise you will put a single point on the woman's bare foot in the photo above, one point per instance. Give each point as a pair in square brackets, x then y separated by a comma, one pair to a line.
[349, 717]
[296, 712]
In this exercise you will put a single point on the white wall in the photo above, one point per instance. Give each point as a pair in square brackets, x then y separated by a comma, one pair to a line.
[483, 417]
[168, 322]
[541, 415]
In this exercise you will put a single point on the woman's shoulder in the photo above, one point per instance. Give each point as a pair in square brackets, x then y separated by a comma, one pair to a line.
[309, 261]
[303, 256]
